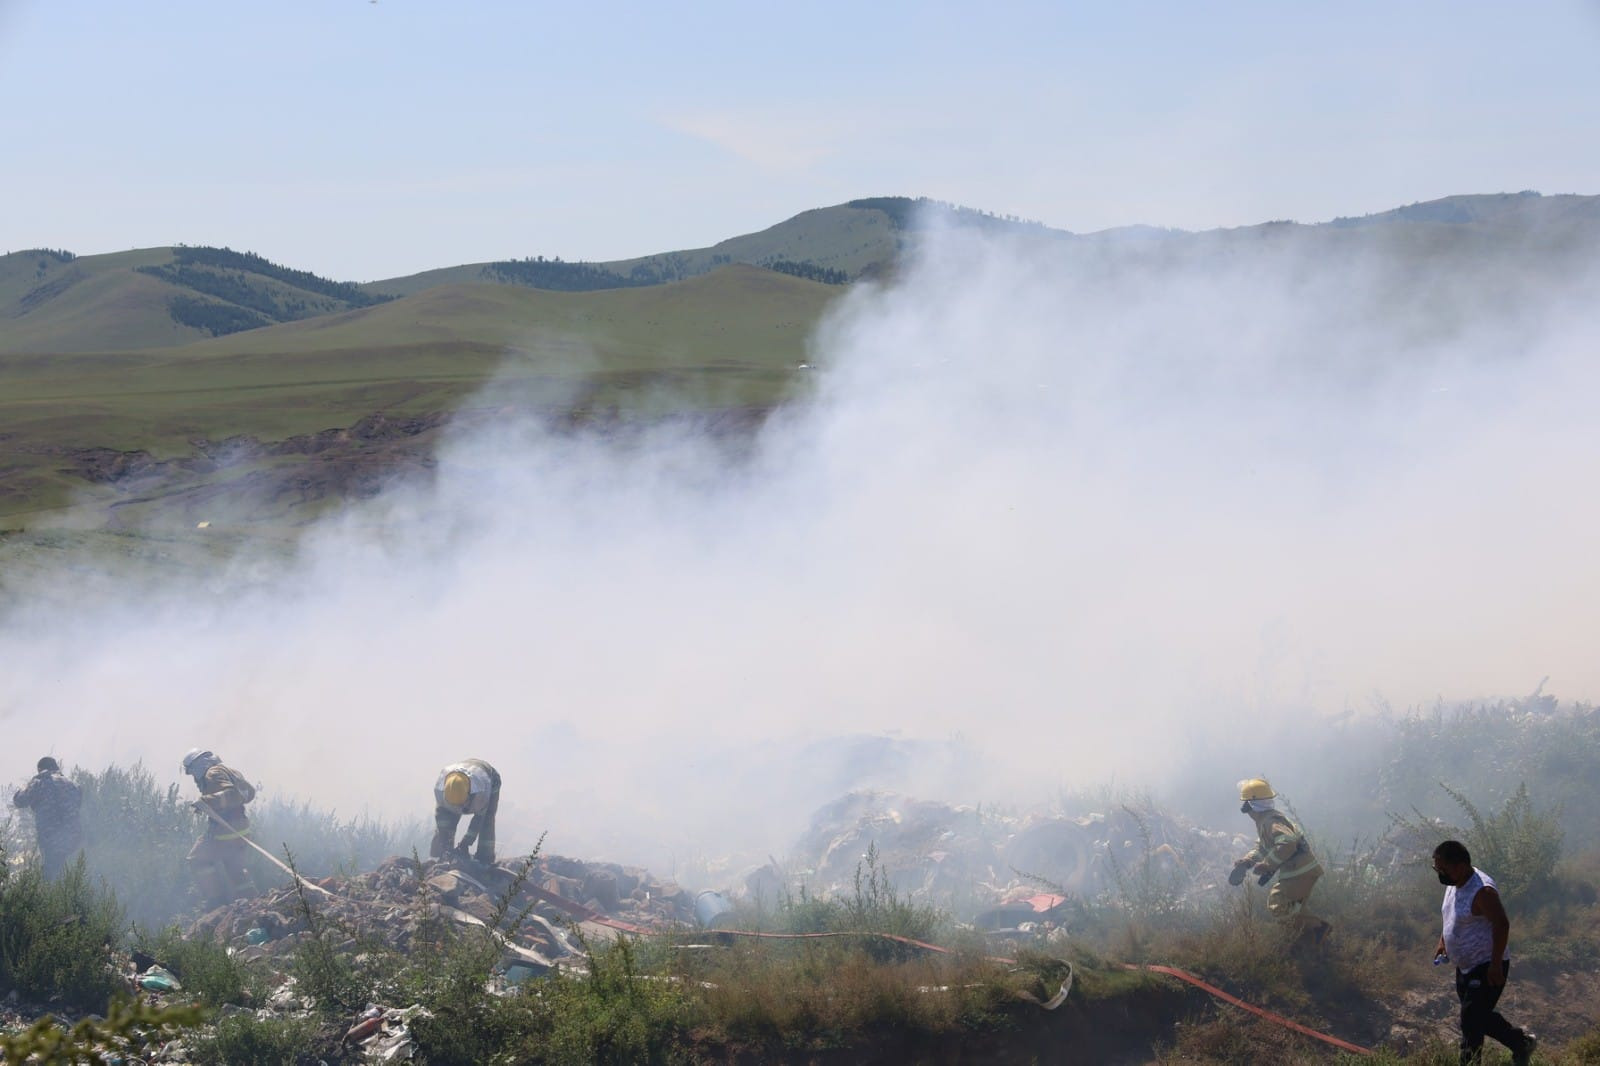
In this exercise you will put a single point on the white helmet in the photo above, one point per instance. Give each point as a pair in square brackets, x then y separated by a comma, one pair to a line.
[198, 760]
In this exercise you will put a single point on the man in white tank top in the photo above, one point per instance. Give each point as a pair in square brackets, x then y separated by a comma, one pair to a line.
[1476, 930]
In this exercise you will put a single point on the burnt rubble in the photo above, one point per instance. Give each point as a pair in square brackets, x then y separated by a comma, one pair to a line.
[402, 897]
[971, 861]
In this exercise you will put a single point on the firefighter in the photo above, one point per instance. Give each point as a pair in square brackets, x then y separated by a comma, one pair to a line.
[54, 801]
[471, 787]
[1281, 856]
[216, 862]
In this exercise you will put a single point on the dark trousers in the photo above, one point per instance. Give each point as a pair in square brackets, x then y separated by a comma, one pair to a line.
[483, 825]
[55, 858]
[1478, 1016]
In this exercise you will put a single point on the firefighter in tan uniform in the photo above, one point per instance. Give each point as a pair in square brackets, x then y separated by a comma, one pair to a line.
[1282, 856]
[216, 861]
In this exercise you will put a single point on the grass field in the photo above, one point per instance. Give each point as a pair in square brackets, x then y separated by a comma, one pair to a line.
[730, 339]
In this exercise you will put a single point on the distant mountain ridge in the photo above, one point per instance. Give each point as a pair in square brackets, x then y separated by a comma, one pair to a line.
[52, 301]
[113, 386]
[834, 245]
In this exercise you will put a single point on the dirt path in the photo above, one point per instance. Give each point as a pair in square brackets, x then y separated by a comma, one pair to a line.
[1560, 1004]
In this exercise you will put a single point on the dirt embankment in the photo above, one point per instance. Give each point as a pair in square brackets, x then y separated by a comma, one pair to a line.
[245, 480]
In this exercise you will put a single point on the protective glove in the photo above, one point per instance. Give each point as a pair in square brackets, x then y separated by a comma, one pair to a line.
[1237, 876]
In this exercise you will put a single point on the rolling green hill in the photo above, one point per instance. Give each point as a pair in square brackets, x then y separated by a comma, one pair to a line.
[113, 387]
[846, 239]
[349, 393]
[155, 297]
[862, 238]
[161, 297]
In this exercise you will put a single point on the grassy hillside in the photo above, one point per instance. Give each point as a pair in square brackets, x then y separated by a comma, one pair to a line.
[110, 380]
[153, 297]
[162, 297]
[55, 303]
[844, 238]
[730, 339]
[844, 243]
[1500, 210]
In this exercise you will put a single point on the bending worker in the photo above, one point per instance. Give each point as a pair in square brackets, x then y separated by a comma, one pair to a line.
[1281, 852]
[216, 862]
[470, 786]
[54, 801]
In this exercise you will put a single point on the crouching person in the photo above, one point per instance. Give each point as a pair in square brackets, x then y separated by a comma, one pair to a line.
[470, 787]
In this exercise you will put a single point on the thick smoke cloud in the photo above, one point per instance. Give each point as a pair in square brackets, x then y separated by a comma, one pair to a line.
[1061, 512]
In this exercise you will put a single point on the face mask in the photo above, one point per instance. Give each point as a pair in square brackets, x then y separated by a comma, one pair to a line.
[1244, 808]
[1444, 878]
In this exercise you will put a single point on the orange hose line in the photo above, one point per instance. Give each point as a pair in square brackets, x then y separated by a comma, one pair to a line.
[1172, 971]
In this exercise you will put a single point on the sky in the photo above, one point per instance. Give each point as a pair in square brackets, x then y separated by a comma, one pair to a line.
[364, 140]
[1102, 517]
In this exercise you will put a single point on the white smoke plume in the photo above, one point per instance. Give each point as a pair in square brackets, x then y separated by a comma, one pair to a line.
[1070, 511]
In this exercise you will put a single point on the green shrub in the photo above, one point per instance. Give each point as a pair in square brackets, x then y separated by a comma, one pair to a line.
[243, 1039]
[340, 968]
[1518, 846]
[56, 936]
[1505, 743]
[14, 841]
[1584, 1051]
[203, 965]
[448, 969]
[875, 907]
[127, 1026]
[614, 1015]
[136, 834]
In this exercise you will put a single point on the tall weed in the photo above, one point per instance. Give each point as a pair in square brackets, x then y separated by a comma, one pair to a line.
[1519, 845]
[56, 936]
[204, 966]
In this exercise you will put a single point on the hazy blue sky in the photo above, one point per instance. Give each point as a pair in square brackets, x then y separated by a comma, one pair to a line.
[365, 140]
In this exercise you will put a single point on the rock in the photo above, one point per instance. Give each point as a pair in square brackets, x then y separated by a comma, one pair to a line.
[448, 885]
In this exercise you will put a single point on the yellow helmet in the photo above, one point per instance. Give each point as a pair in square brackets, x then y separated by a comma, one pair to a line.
[1255, 788]
[457, 787]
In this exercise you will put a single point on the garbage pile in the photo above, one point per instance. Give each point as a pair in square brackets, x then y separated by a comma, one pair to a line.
[533, 912]
[971, 860]
[401, 897]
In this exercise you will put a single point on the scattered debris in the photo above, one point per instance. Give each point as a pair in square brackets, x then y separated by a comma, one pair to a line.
[392, 903]
[997, 870]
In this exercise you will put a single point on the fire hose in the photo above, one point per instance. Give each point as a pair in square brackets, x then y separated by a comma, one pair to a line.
[273, 859]
[1278, 1019]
